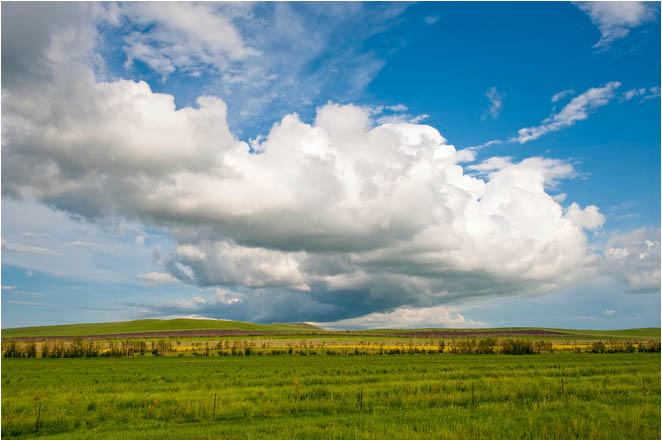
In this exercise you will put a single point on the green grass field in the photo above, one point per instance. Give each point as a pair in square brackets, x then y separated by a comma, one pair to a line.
[149, 325]
[604, 396]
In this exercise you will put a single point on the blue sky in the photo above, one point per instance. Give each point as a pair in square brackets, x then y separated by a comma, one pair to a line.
[347, 164]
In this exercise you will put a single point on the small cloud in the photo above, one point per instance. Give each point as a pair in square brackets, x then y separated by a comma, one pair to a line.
[560, 95]
[558, 198]
[577, 109]
[635, 258]
[228, 297]
[588, 218]
[32, 234]
[8, 287]
[625, 216]
[395, 114]
[496, 102]
[156, 278]
[609, 312]
[20, 302]
[29, 273]
[492, 164]
[616, 19]
[431, 19]
[485, 144]
[397, 108]
[81, 244]
[644, 93]
[20, 248]
[401, 118]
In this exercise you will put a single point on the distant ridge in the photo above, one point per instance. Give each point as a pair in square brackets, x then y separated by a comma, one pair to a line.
[150, 325]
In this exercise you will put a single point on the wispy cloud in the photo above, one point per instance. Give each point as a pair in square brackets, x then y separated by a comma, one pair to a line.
[560, 95]
[643, 92]
[20, 302]
[496, 102]
[185, 36]
[577, 109]
[20, 248]
[266, 60]
[616, 19]
[156, 278]
[401, 117]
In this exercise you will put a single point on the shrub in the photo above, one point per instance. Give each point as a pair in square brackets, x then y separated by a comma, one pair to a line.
[517, 347]
[31, 350]
[486, 346]
[598, 348]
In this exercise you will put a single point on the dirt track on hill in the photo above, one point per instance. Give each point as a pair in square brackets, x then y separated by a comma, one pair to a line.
[243, 333]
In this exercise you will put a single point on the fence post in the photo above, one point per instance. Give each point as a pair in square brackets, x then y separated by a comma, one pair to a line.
[473, 396]
[36, 426]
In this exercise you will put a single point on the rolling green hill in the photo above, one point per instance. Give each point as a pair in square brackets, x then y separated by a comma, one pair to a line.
[617, 333]
[149, 325]
[156, 325]
[624, 333]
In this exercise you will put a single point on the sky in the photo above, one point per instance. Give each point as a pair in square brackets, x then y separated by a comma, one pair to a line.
[351, 165]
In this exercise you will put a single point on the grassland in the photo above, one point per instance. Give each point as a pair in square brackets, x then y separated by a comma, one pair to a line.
[571, 396]
[156, 325]
[303, 382]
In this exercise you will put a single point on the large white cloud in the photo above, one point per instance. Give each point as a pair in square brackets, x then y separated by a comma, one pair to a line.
[333, 218]
[383, 211]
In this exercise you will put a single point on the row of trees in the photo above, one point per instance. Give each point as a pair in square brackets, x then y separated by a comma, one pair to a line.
[80, 349]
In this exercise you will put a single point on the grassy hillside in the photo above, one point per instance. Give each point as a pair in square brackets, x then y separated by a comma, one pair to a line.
[618, 333]
[625, 333]
[155, 325]
[147, 326]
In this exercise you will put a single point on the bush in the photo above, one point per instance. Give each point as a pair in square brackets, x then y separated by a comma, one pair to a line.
[517, 347]
[598, 348]
[486, 346]
[650, 347]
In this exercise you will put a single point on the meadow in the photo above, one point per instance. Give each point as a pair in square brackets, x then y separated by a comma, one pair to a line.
[553, 396]
[201, 379]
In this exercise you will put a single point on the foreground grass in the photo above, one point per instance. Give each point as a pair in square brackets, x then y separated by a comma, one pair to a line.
[604, 396]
